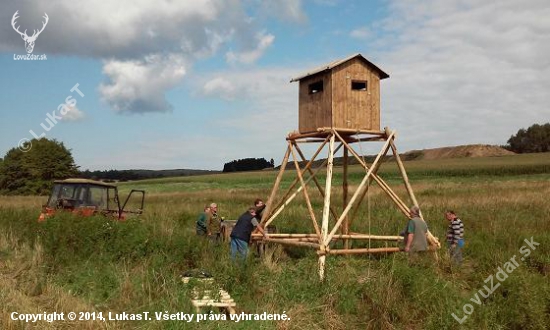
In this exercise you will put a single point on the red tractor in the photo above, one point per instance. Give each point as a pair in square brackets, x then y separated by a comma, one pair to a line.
[88, 197]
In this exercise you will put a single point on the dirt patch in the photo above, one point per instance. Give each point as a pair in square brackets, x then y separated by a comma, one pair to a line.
[473, 150]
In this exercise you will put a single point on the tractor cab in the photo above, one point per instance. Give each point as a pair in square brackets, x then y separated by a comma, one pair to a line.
[89, 197]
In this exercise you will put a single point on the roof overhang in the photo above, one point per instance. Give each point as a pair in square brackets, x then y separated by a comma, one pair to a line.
[333, 64]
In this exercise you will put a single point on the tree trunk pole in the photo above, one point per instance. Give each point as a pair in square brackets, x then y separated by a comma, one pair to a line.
[326, 209]
[345, 187]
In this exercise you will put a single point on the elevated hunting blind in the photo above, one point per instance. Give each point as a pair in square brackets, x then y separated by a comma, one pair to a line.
[343, 94]
[339, 108]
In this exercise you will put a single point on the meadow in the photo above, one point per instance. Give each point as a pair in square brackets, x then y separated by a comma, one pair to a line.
[94, 264]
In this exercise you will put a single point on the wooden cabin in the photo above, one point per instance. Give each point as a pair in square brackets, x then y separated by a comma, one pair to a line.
[344, 94]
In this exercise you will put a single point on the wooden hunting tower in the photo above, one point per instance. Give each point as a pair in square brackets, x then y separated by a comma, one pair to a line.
[344, 94]
[339, 110]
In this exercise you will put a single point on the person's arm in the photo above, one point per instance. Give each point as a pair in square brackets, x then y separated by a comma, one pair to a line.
[259, 227]
[409, 242]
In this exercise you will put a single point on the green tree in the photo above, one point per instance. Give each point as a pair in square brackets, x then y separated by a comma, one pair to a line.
[536, 138]
[32, 172]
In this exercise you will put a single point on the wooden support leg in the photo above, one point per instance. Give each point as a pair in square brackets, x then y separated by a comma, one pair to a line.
[382, 153]
[321, 190]
[345, 187]
[326, 207]
[304, 188]
[270, 201]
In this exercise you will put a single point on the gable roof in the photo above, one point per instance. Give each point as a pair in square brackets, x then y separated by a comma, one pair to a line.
[336, 63]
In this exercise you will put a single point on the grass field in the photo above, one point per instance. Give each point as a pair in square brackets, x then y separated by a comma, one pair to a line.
[95, 265]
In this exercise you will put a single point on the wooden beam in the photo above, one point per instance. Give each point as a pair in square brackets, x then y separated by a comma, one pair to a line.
[289, 242]
[345, 188]
[349, 131]
[270, 201]
[304, 189]
[341, 236]
[308, 165]
[285, 203]
[321, 190]
[382, 152]
[400, 204]
[364, 251]
[298, 135]
[326, 207]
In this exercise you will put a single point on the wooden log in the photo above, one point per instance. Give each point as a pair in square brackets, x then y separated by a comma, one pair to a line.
[316, 140]
[393, 196]
[285, 203]
[382, 152]
[288, 242]
[434, 241]
[326, 207]
[296, 135]
[284, 200]
[335, 237]
[350, 131]
[270, 201]
[345, 187]
[321, 190]
[304, 189]
[364, 251]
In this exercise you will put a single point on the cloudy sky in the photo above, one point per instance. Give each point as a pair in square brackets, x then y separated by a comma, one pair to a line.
[194, 84]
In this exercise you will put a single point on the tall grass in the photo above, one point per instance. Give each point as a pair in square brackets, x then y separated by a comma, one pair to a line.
[94, 264]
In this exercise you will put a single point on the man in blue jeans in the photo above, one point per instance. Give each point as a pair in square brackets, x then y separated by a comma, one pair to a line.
[240, 235]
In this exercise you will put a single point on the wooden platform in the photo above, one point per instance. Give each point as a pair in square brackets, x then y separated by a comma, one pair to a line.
[206, 298]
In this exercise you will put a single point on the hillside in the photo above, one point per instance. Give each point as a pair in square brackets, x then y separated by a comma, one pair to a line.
[465, 151]
[472, 150]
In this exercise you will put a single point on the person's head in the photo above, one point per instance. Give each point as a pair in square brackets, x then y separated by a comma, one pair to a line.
[450, 215]
[252, 211]
[415, 211]
[214, 207]
[207, 208]
[258, 203]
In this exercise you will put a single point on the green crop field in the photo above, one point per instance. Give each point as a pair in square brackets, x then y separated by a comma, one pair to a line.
[98, 265]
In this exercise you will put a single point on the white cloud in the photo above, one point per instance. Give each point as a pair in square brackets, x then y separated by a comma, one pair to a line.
[246, 57]
[126, 28]
[221, 87]
[74, 114]
[362, 33]
[140, 86]
[464, 72]
[126, 34]
[289, 10]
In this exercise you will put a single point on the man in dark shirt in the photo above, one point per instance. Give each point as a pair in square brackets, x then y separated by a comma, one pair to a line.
[240, 235]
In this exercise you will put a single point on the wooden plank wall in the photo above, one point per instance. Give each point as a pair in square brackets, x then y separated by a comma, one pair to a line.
[315, 110]
[355, 109]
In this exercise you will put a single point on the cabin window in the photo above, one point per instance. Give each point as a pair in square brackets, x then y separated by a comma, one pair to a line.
[316, 87]
[358, 85]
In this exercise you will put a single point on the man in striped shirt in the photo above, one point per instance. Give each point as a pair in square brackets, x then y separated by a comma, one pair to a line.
[455, 236]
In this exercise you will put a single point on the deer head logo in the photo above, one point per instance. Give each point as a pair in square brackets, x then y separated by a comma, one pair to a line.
[29, 41]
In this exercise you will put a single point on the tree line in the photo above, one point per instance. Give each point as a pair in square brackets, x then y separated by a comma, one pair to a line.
[31, 172]
[536, 138]
[248, 164]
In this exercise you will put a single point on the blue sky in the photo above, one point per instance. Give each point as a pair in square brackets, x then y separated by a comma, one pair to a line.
[195, 84]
